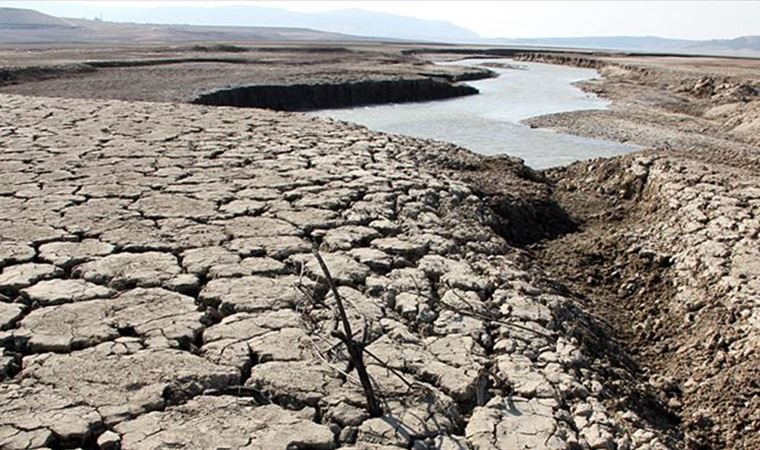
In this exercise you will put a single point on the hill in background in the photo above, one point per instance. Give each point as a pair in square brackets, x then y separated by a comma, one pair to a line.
[254, 23]
[347, 21]
[25, 26]
[28, 18]
[745, 45]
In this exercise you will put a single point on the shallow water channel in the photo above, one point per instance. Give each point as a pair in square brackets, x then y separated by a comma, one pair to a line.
[489, 122]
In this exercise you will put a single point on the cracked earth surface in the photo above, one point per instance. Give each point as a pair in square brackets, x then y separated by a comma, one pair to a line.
[151, 261]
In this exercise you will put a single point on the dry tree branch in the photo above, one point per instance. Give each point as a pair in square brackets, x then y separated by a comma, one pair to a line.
[385, 365]
[355, 349]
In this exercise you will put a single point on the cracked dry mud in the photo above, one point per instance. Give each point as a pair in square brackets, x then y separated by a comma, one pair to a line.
[151, 260]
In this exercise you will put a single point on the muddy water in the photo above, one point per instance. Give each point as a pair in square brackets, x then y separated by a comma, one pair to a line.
[489, 122]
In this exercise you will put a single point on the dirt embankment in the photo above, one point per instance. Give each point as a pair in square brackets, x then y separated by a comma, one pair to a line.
[667, 246]
[281, 78]
[304, 97]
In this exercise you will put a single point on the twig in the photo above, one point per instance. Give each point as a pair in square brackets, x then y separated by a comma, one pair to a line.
[329, 364]
[391, 369]
[355, 349]
[472, 313]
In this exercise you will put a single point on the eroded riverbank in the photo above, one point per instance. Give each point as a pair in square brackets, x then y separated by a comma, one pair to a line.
[668, 249]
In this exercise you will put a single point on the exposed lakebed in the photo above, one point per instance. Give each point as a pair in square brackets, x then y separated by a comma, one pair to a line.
[489, 123]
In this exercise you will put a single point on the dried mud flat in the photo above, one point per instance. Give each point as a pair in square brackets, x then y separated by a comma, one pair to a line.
[151, 254]
[155, 259]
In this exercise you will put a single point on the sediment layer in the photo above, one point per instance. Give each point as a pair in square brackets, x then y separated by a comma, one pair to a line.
[304, 97]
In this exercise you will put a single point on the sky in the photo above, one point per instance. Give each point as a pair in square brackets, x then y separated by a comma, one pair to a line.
[512, 19]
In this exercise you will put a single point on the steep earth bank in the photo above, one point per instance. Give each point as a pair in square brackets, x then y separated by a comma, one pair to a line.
[304, 97]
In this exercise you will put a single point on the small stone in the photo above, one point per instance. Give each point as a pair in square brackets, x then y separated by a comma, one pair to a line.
[9, 314]
[526, 381]
[348, 237]
[308, 219]
[185, 283]
[372, 258]
[241, 227]
[385, 226]
[241, 207]
[598, 437]
[199, 260]
[342, 268]
[294, 383]
[384, 430]
[516, 423]
[109, 441]
[68, 254]
[252, 293]
[396, 246]
[279, 247]
[263, 265]
[14, 253]
[161, 206]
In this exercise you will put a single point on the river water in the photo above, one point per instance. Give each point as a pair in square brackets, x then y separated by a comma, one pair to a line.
[489, 123]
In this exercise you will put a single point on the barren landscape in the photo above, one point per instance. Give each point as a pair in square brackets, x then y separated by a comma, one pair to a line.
[159, 287]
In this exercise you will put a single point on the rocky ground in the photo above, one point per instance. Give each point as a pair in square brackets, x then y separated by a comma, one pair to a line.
[158, 289]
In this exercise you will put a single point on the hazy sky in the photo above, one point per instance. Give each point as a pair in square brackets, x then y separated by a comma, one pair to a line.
[676, 19]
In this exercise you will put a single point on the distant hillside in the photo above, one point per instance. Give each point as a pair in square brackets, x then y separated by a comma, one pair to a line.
[741, 46]
[740, 43]
[349, 21]
[254, 23]
[24, 26]
[28, 18]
